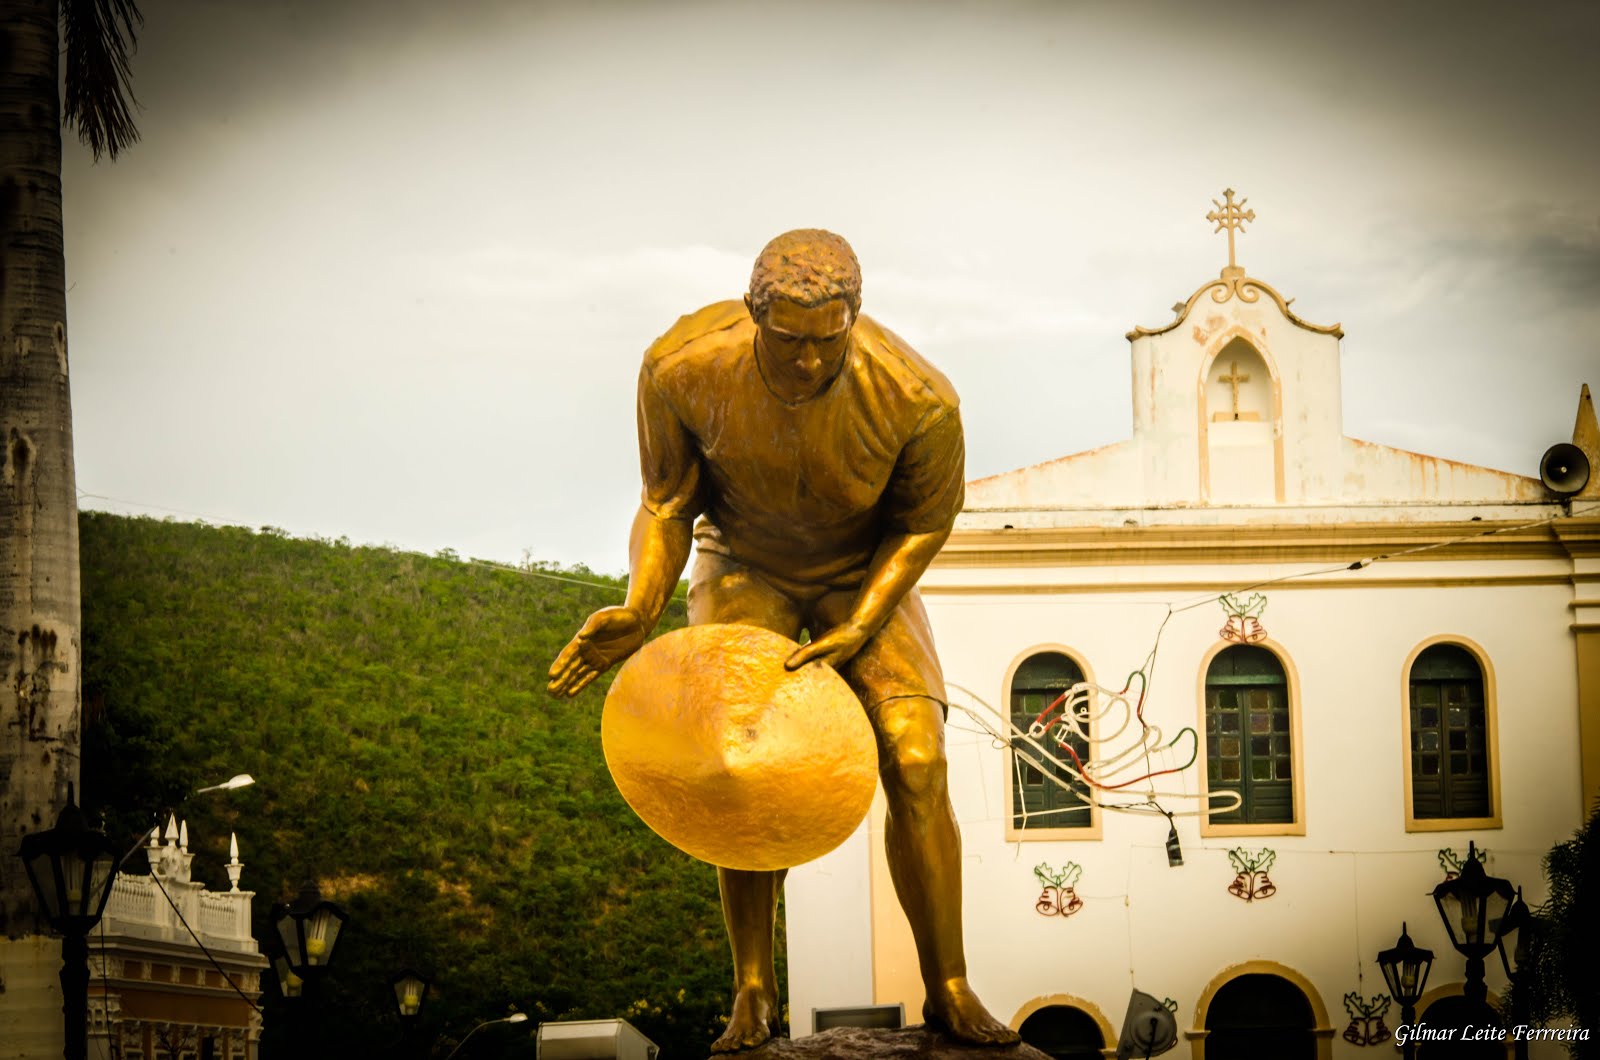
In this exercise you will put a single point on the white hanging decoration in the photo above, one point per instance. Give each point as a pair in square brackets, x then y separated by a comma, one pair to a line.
[1044, 746]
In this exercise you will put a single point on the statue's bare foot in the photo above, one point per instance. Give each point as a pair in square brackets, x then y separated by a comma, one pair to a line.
[957, 1011]
[753, 1021]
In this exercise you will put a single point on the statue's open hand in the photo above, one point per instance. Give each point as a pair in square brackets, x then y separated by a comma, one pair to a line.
[835, 647]
[609, 636]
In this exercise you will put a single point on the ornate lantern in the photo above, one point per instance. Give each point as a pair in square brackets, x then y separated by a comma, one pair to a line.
[308, 929]
[71, 867]
[410, 993]
[1473, 907]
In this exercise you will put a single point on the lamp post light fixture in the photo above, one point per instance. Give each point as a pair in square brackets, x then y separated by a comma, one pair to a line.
[515, 1017]
[290, 985]
[410, 994]
[241, 780]
[1405, 971]
[71, 867]
[307, 930]
[1473, 907]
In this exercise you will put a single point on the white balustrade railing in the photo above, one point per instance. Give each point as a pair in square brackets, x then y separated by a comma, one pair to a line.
[225, 916]
[134, 898]
[220, 918]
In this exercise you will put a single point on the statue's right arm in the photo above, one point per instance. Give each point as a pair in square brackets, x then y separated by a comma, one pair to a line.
[658, 547]
[658, 550]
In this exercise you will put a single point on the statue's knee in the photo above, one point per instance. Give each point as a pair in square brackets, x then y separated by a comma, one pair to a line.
[916, 767]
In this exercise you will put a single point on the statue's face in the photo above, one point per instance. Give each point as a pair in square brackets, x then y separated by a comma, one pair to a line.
[802, 348]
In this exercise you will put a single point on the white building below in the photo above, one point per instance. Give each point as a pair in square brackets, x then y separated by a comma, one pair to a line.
[1412, 663]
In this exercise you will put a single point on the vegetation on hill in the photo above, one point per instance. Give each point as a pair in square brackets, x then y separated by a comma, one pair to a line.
[392, 709]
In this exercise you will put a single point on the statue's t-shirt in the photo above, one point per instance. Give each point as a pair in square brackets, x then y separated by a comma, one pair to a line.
[803, 491]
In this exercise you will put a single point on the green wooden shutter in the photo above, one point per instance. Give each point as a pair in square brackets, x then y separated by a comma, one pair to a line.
[1248, 740]
[1450, 765]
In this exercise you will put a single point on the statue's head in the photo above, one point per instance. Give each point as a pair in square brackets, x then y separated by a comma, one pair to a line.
[805, 292]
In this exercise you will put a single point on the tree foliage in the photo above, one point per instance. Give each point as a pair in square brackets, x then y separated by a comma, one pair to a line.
[392, 709]
[1557, 977]
[98, 36]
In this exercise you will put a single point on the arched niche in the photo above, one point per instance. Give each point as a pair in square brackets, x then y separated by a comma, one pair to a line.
[1241, 409]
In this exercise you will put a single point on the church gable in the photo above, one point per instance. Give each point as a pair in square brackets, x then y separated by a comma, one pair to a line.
[1236, 404]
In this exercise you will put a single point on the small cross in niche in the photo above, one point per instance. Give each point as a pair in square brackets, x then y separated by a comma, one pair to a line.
[1234, 379]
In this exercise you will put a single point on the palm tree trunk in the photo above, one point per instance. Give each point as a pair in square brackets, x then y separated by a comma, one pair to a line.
[39, 634]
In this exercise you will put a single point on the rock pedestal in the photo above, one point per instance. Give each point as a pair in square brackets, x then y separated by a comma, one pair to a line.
[908, 1043]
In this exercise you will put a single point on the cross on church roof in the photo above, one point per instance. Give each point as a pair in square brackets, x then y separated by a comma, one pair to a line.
[1232, 216]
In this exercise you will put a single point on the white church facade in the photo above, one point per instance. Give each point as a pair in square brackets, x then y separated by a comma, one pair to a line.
[1347, 662]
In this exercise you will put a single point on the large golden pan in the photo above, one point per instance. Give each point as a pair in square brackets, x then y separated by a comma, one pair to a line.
[733, 759]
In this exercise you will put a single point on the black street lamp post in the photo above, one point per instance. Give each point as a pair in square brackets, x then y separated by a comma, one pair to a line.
[1405, 971]
[1473, 907]
[71, 867]
[410, 994]
[1517, 919]
[307, 930]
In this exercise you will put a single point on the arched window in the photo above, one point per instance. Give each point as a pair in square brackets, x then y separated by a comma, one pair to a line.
[1260, 1015]
[1450, 766]
[1064, 1032]
[1038, 800]
[1249, 743]
[1241, 459]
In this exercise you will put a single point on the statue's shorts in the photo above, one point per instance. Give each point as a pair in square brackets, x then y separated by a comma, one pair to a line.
[895, 669]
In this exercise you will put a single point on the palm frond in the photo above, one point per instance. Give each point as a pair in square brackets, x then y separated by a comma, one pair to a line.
[99, 35]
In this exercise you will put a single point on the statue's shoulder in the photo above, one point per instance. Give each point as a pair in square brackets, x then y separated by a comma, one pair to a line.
[899, 366]
[702, 340]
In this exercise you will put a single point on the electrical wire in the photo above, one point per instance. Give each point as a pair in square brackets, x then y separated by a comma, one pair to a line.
[214, 963]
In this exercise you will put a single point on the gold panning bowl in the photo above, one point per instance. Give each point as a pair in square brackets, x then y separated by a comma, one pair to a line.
[730, 757]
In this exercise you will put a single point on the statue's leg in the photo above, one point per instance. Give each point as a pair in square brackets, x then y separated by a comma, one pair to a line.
[897, 676]
[750, 909]
[721, 590]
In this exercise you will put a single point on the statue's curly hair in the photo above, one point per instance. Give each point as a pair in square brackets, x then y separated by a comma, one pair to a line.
[808, 266]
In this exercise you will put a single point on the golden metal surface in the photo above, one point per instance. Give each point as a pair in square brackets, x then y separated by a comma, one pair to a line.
[815, 463]
[732, 758]
[1232, 217]
[1235, 284]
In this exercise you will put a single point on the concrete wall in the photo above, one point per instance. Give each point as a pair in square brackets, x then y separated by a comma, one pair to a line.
[830, 957]
[31, 1026]
[1344, 887]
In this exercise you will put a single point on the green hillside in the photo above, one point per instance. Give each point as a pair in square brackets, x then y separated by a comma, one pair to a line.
[392, 709]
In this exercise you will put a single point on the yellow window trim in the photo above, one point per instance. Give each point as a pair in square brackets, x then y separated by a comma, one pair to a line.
[1083, 1005]
[1292, 676]
[1322, 1031]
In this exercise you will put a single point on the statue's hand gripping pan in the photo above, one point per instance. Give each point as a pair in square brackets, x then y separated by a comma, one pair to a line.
[730, 757]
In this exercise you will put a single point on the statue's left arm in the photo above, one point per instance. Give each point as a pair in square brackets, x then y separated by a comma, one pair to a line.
[920, 504]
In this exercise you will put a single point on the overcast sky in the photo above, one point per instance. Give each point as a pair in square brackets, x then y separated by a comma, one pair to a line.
[384, 270]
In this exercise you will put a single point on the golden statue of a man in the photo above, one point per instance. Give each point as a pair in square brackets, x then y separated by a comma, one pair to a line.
[823, 459]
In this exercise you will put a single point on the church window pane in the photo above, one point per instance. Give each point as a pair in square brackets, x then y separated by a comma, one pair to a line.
[1247, 690]
[1456, 785]
[1048, 796]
